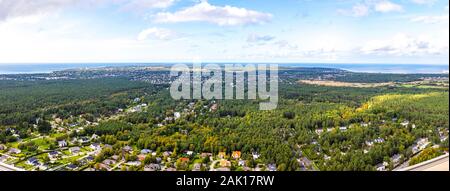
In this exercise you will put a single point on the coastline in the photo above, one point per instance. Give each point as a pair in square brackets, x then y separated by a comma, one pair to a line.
[17, 69]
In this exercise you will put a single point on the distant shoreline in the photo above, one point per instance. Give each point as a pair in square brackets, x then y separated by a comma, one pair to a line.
[11, 69]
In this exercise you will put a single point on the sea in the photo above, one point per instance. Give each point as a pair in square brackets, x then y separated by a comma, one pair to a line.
[366, 68]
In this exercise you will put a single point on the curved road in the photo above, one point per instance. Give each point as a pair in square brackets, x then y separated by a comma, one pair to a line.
[440, 163]
[6, 167]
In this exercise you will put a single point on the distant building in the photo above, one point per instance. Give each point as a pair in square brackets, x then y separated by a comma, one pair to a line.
[236, 154]
[62, 143]
[75, 150]
[152, 167]
[14, 151]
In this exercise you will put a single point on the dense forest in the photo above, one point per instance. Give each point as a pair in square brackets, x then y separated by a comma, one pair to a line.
[329, 126]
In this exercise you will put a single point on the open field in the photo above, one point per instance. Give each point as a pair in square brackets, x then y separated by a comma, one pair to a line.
[344, 84]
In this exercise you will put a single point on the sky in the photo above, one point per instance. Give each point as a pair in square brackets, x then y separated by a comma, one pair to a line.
[281, 31]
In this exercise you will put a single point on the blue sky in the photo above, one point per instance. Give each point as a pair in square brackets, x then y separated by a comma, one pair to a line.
[310, 31]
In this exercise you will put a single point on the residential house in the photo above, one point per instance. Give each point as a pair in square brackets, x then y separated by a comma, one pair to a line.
[171, 169]
[74, 150]
[176, 115]
[272, 167]
[255, 155]
[53, 155]
[343, 128]
[396, 159]
[145, 151]
[128, 149]
[223, 169]
[89, 158]
[204, 155]
[319, 131]
[236, 154]
[241, 162]
[108, 162]
[62, 143]
[33, 161]
[95, 147]
[404, 123]
[106, 146]
[141, 157]
[152, 167]
[3, 147]
[222, 155]
[213, 107]
[14, 151]
[197, 167]
[379, 140]
[94, 137]
[134, 163]
[380, 167]
[71, 167]
[190, 153]
[167, 153]
[83, 140]
[225, 163]
[184, 159]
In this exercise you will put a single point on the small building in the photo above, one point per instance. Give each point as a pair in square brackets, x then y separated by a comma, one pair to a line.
[53, 155]
[184, 159]
[74, 150]
[236, 154]
[95, 146]
[62, 143]
[33, 161]
[380, 167]
[343, 128]
[71, 167]
[272, 167]
[3, 147]
[176, 115]
[141, 157]
[255, 155]
[241, 162]
[167, 153]
[197, 167]
[14, 151]
[221, 155]
[404, 123]
[146, 151]
[134, 163]
[225, 163]
[94, 137]
[396, 159]
[152, 167]
[108, 162]
[319, 131]
[190, 153]
[128, 149]
[204, 155]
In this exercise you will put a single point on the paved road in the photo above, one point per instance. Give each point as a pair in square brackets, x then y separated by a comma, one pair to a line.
[437, 164]
[5, 167]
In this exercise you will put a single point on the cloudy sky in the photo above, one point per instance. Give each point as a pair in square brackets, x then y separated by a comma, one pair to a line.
[322, 31]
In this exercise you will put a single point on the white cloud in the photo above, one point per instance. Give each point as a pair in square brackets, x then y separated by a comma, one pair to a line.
[20, 8]
[424, 2]
[368, 6]
[223, 16]
[255, 38]
[405, 45]
[146, 4]
[387, 6]
[358, 10]
[431, 19]
[157, 33]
